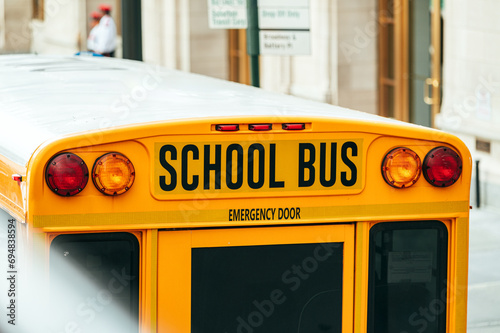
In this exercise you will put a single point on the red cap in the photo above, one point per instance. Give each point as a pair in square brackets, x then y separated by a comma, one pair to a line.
[95, 15]
[105, 7]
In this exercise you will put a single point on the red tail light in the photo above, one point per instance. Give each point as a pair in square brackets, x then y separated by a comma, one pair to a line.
[66, 174]
[442, 166]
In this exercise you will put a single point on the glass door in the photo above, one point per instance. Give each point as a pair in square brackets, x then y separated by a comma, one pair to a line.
[409, 60]
[425, 61]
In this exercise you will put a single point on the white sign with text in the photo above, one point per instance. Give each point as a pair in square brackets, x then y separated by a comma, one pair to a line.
[283, 3]
[227, 14]
[283, 42]
[283, 18]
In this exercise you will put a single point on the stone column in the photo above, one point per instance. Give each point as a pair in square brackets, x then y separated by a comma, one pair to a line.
[2, 25]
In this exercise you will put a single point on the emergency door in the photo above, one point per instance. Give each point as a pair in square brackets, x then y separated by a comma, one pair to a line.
[271, 279]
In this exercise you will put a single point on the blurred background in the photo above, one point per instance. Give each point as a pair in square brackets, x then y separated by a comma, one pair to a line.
[433, 63]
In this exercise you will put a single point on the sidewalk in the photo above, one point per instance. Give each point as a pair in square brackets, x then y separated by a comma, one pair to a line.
[484, 271]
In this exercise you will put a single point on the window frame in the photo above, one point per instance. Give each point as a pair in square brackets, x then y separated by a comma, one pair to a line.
[442, 264]
[135, 258]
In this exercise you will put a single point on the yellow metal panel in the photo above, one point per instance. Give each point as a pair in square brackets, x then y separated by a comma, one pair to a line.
[361, 276]
[174, 281]
[457, 291]
[314, 214]
[12, 195]
[140, 205]
[149, 286]
[174, 258]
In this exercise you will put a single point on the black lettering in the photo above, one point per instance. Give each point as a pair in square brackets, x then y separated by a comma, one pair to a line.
[251, 154]
[272, 168]
[306, 165]
[349, 163]
[298, 213]
[196, 155]
[163, 161]
[322, 165]
[207, 167]
[237, 215]
[229, 166]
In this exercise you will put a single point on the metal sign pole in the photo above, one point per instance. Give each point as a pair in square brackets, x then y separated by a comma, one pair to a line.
[253, 41]
[131, 29]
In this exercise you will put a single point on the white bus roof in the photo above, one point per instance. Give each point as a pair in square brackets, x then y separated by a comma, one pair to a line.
[45, 97]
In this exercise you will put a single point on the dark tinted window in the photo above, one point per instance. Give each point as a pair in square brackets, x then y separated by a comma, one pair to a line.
[407, 285]
[267, 289]
[94, 282]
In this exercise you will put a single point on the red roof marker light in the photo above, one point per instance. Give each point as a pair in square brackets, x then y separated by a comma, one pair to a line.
[260, 127]
[18, 178]
[294, 127]
[227, 128]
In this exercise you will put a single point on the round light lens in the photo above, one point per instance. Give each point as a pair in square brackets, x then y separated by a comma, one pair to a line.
[113, 174]
[401, 167]
[66, 174]
[442, 166]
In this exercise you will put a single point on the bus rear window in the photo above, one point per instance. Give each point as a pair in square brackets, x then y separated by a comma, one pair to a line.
[267, 289]
[94, 282]
[407, 283]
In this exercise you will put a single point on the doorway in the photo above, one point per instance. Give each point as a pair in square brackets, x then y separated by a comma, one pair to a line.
[410, 59]
[223, 280]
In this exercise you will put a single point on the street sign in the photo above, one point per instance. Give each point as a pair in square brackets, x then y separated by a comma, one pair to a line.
[284, 42]
[227, 14]
[283, 18]
[284, 27]
[283, 3]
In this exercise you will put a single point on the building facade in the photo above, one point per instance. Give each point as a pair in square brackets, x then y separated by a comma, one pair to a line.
[471, 88]
[432, 63]
[15, 30]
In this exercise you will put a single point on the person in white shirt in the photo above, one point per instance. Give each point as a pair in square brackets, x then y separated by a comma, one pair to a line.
[94, 25]
[106, 33]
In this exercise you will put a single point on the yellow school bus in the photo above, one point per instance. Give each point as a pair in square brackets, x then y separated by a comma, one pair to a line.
[139, 199]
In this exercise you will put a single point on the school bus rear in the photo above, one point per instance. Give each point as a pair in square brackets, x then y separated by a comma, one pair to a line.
[260, 224]
[157, 201]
